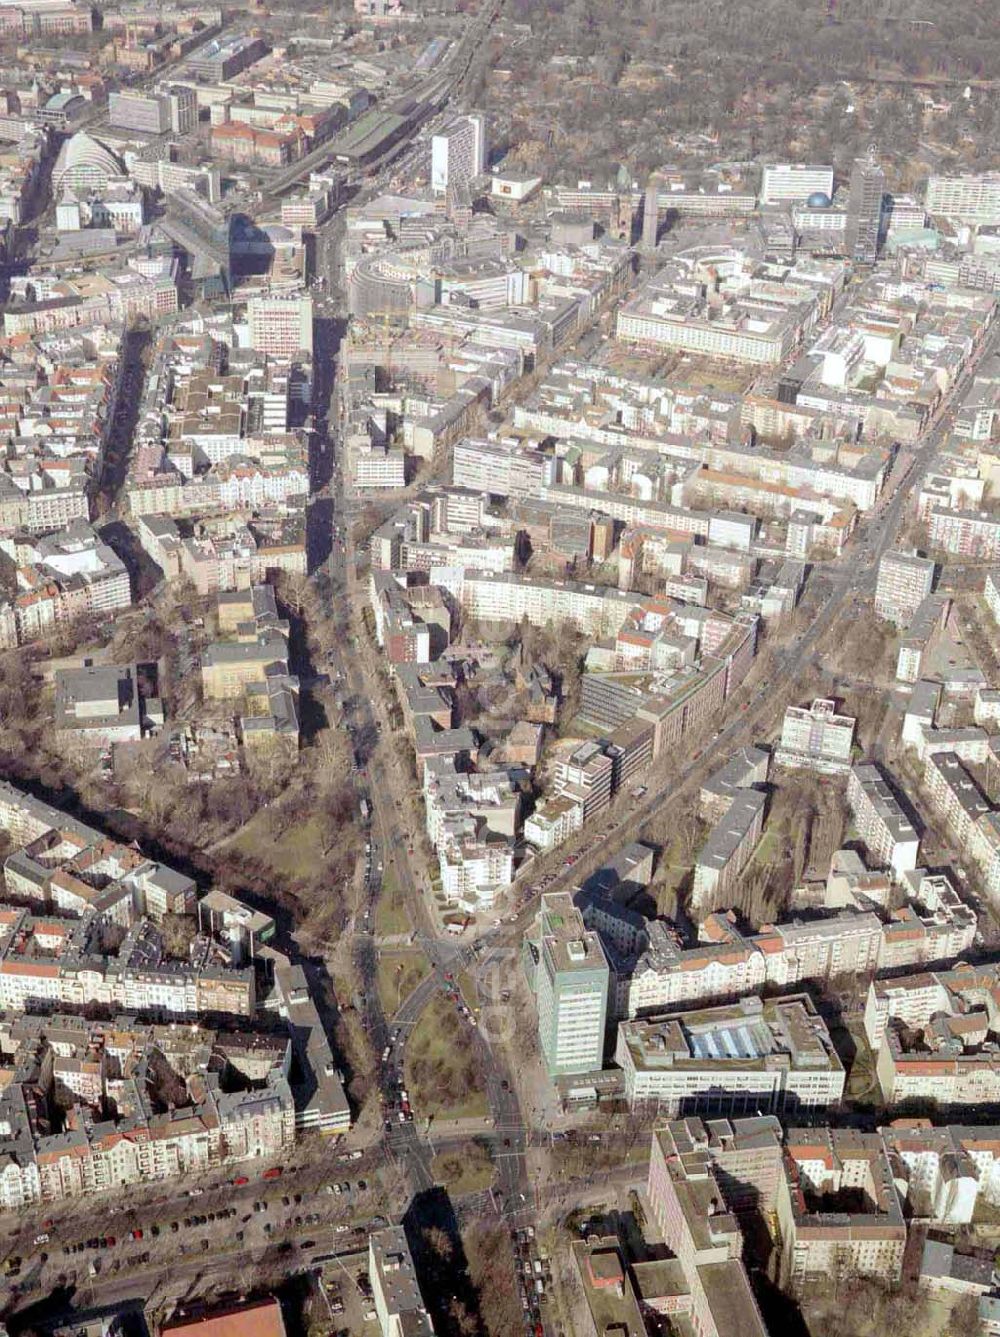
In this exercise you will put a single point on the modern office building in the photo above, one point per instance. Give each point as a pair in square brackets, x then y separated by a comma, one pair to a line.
[587, 775]
[281, 326]
[795, 182]
[169, 108]
[148, 114]
[224, 58]
[182, 105]
[651, 214]
[569, 973]
[458, 153]
[748, 1057]
[202, 229]
[972, 199]
[864, 209]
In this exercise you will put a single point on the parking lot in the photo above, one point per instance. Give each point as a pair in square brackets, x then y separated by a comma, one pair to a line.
[346, 1288]
[239, 1216]
[534, 1280]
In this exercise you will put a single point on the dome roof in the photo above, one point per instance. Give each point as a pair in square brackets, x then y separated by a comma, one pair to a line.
[819, 199]
[85, 161]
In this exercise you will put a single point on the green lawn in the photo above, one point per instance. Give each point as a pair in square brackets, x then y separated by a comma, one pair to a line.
[399, 973]
[467, 1169]
[767, 848]
[391, 915]
[467, 988]
[856, 1055]
[295, 854]
[442, 1071]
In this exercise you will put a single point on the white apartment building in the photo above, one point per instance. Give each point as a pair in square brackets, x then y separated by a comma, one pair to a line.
[904, 581]
[729, 846]
[553, 821]
[586, 777]
[474, 873]
[956, 796]
[927, 622]
[985, 850]
[98, 1151]
[458, 153]
[889, 835]
[912, 999]
[508, 597]
[68, 575]
[668, 975]
[936, 926]
[795, 182]
[501, 468]
[951, 1166]
[816, 738]
[399, 1305]
[991, 593]
[973, 199]
[974, 534]
[864, 1234]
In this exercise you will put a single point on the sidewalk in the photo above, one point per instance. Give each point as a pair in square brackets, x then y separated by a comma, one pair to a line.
[442, 1129]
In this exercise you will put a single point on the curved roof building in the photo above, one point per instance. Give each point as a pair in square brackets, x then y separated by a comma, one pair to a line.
[85, 163]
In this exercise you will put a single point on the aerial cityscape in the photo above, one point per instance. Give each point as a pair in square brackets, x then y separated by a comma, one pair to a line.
[499, 669]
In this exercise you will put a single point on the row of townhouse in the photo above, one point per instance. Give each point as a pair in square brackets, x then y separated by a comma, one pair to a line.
[52, 961]
[120, 1129]
[63, 577]
[232, 555]
[108, 299]
[935, 1036]
[842, 1200]
[933, 926]
[66, 882]
[155, 487]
